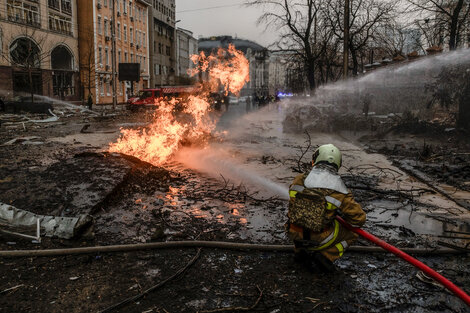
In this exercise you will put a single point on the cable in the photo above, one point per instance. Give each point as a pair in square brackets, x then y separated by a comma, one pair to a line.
[210, 8]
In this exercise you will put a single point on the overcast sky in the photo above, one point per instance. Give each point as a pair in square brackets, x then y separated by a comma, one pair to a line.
[227, 17]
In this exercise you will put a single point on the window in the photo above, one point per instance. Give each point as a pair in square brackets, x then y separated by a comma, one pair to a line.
[100, 55]
[21, 12]
[105, 26]
[130, 34]
[106, 55]
[125, 32]
[67, 6]
[132, 57]
[119, 56]
[98, 25]
[125, 6]
[118, 6]
[125, 57]
[54, 4]
[118, 30]
[160, 48]
[105, 3]
[61, 24]
[130, 8]
[168, 50]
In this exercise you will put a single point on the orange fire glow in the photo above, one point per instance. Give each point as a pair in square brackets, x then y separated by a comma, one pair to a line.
[186, 120]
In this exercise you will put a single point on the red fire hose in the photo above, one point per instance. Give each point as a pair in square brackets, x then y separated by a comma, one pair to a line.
[426, 269]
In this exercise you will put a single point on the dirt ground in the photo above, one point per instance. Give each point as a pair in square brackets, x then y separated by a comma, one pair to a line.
[230, 191]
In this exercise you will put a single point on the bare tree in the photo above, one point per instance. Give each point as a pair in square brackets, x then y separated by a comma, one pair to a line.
[452, 87]
[392, 38]
[448, 17]
[366, 16]
[299, 24]
[87, 70]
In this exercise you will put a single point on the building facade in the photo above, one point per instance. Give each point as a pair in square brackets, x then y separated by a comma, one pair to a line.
[39, 48]
[95, 20]
[186, 46]
[162, 41]
[278, 66]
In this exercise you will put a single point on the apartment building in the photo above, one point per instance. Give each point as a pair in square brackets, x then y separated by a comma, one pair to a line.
[96, 49]
[39, 48]
[186, 46]
[163, 44]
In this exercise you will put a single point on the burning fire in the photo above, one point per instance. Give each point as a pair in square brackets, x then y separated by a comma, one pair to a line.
[179, 121]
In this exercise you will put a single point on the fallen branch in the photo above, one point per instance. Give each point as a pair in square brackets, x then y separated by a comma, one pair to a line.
[134, 298]
[238, 308]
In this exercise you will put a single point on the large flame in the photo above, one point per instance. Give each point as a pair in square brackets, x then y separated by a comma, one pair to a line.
[178, 121]
[228, 67]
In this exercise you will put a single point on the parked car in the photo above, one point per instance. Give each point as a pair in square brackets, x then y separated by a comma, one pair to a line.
[152, 97]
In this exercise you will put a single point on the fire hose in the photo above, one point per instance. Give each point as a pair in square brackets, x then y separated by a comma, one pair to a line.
[423, 267]
[258, 247]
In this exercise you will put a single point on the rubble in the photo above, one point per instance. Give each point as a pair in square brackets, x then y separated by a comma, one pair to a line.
[51, 226]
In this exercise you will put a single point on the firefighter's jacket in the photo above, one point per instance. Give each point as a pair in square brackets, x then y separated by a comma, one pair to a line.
[339, 199]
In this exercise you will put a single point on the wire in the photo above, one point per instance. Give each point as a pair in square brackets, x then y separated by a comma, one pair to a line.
[210, 8]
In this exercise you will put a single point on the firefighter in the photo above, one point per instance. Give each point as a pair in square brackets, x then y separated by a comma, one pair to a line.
[315, 199]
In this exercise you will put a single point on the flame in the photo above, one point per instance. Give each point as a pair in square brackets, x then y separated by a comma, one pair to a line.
[229, 67]
[171, 126]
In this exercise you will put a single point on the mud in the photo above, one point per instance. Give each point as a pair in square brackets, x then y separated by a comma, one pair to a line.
[133, 201]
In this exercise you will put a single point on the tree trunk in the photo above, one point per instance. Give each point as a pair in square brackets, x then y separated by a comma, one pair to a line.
[310, 67]
[454, 25]
[31, 87]
[355, 61]
[464, 109]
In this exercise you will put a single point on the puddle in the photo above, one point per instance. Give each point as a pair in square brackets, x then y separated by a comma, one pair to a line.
[393, 214]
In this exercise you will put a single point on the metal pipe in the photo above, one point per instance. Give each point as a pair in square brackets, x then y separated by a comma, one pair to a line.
[426, 269]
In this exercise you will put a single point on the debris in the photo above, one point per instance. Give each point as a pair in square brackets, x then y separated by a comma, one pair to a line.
[74, 278]
[53, 118]
[62, 227]
[428, 280]
[6, 180]
[238, 308]
[11, 288]
[181, 271]
[20, 140]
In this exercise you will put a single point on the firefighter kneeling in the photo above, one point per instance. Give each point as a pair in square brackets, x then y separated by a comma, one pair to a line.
[315, 199]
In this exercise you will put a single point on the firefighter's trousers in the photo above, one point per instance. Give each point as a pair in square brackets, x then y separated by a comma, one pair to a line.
[331, 242]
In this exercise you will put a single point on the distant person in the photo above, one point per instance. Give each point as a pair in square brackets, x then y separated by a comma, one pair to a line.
[315, 199]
